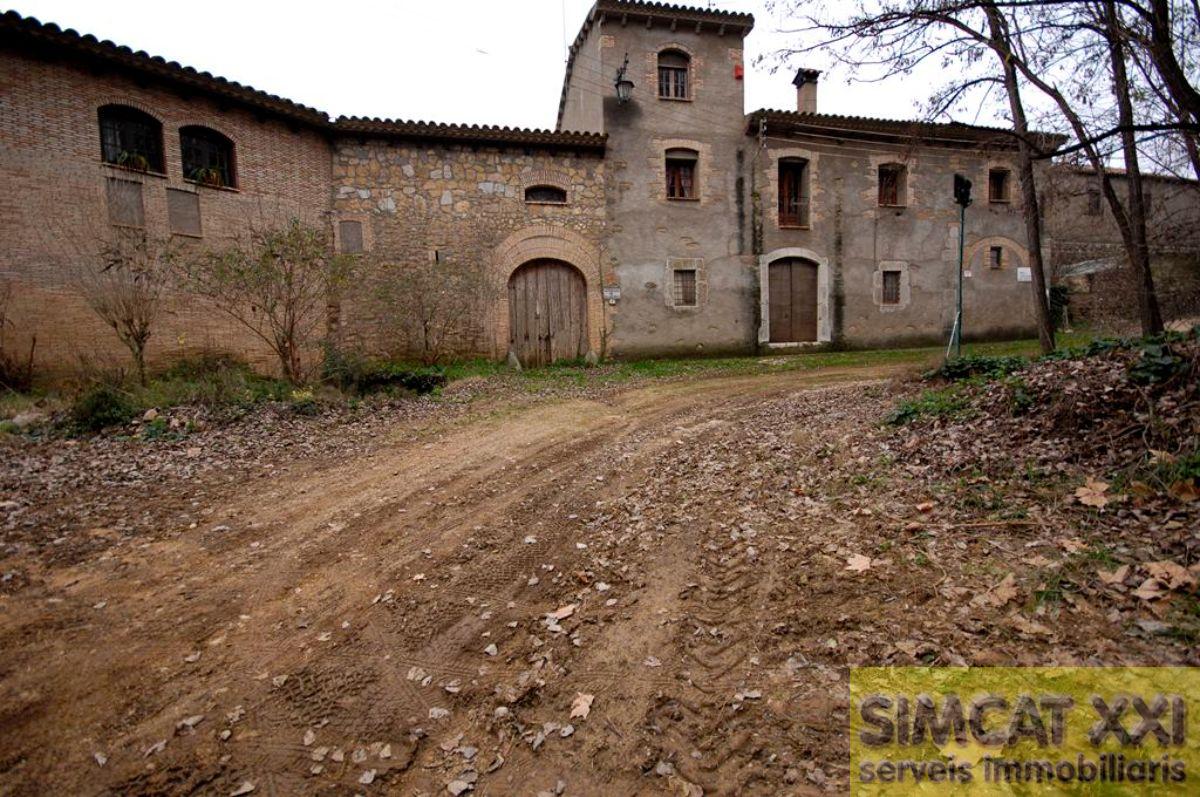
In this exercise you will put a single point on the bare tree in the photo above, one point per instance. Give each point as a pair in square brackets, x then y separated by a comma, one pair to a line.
[124, 283]
[277, 284]
[427, 309]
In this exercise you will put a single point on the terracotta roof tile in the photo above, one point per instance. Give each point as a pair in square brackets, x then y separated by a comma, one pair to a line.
[476, 134]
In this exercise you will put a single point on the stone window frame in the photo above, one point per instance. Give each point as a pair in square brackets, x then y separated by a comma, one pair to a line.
[772, 197]
[695, 62]
[550, 179]
[900, 169]
[905, 298]
[909, 194]
[704, 175]
[1008, 171]
[367, 233]
[976, 258]
[696, 264]
[687, 70]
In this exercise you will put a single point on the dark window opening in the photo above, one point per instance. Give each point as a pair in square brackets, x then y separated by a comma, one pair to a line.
[685, 287]
[183, 212]
[130, 138]
[207, 157]
[892, 185]
[793, 192]
[125, 206]
[546, 193]
[350, 236]
[1093, 202]
[891, 287]
[998, 185]
[673, 75]
[681, 174]
[996, 257]
[1147, 201]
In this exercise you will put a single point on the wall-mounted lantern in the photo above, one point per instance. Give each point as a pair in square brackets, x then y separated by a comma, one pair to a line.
[624, 85]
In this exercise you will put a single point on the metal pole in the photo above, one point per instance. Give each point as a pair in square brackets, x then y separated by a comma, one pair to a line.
[958, 318]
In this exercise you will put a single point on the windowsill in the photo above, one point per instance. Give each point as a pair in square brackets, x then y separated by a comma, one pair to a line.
[545, 202]
[197, 236]
[999, 201]
[675, 99]
[128, 226]
[893, 207]
[199, 184]
[131, 170]
[795, 226]
[683, 199]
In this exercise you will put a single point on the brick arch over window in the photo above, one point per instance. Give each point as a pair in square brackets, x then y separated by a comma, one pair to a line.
[547, 242]
[208, 156]
[674, 74]
[976, 256]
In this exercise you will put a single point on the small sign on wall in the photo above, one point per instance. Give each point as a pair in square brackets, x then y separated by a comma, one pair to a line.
[612, 293]
[1024, 274]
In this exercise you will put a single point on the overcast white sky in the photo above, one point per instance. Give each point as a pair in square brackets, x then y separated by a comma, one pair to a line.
[475, 61]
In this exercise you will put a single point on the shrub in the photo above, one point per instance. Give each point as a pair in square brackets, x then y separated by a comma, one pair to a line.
[1156, 363]
[352, 374]
[977, 365]
[303, 402]
[100, 407]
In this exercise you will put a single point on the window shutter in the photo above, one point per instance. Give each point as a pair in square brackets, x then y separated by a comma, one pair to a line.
[125, 207]
[183, 212]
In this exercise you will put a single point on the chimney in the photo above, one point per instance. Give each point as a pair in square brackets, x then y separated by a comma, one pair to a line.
[806, 90]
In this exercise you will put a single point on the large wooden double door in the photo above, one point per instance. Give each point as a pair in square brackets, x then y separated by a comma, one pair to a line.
[547, 313]
[792, 300]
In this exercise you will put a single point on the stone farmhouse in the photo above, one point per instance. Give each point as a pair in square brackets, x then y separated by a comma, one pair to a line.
[658, 218]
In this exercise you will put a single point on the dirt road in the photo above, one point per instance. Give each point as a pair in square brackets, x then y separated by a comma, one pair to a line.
[428, 616]
[643, 593]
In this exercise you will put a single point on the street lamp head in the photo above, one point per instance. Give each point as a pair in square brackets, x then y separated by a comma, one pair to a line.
[623, 84]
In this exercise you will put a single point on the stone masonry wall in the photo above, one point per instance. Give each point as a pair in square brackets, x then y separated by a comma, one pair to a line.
[455, 204]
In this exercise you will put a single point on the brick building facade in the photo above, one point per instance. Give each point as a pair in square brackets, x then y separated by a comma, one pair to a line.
[674, 223]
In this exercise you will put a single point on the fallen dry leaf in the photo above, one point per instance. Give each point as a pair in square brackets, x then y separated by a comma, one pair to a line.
[563, 612]
[1170, 574]
[581, 706]
[858, 563]
[926, 506]
[1116, 576]
[1092, 493]
[1184, 491]
[1149, 590]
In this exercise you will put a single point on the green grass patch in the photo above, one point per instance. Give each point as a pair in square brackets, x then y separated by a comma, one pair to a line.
[945, 403]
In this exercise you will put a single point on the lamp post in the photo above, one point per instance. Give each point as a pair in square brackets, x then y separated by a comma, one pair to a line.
[623, 84]
[962, 198]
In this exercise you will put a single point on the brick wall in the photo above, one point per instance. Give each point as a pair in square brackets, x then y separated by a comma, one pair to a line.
[53, 202]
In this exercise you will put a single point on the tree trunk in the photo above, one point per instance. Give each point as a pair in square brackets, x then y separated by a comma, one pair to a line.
[1029, 197]
[1139, 251]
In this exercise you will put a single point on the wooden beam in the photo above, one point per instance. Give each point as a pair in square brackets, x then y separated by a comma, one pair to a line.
[721, 30]
[674, 25]
[699, 25]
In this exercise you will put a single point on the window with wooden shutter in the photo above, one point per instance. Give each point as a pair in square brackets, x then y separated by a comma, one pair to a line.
[350, 235]
[891, 287]
[130, 138]
[681, 174]
[183, 212]
[685, 287]
[793, 192]
[998, 185]
[125, 206]
[996, 257]
[673, 68]
[893, 188]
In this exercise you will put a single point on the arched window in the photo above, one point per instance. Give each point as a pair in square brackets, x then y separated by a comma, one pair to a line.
[681, 173]
[546, 194]
[673, 83]
[207, 157]
[130, 138]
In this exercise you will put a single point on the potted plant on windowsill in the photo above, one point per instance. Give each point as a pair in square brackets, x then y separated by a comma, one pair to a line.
[135, 161]
[208, 176]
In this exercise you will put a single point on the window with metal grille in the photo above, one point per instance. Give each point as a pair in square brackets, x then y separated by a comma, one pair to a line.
[681, 174]
[891, 287]
[207, 157]
[183, 212]
[350, 235]
[673, 69]
[893, 185]
[1093, 202]
[130, 138]
[996, 257]
[125, 207]
[793, 192]
[998, 185]
[546, 194]
[685, 287]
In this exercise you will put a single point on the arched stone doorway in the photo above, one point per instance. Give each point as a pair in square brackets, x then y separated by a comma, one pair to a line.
[547, 312]
[792, 294]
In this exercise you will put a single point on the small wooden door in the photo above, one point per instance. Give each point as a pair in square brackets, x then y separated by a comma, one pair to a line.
[792, 300]
[547, 313]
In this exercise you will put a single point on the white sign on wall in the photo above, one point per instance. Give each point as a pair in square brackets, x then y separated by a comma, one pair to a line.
[1024, 274]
